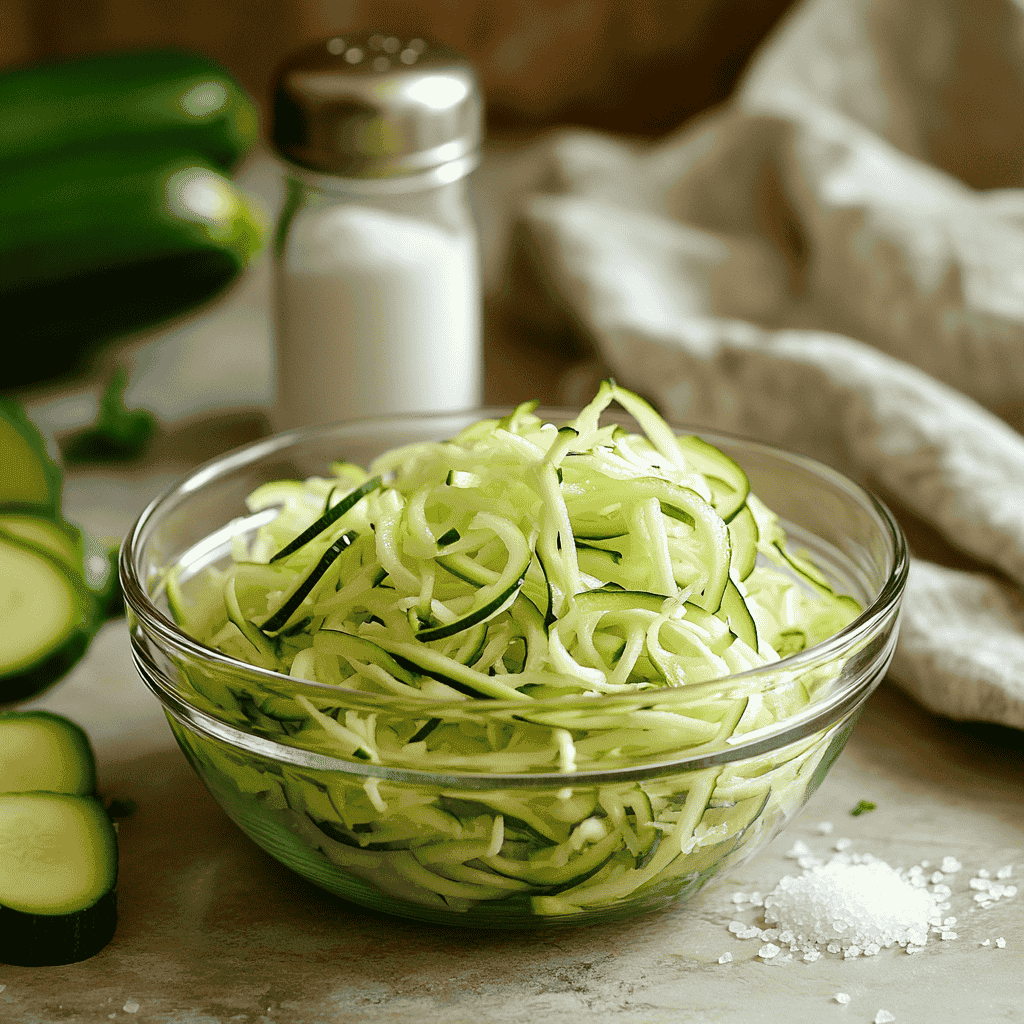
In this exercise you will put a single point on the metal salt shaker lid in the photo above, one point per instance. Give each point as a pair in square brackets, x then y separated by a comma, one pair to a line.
[376, 105]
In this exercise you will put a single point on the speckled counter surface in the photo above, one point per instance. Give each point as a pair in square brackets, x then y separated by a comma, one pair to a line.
[213, 930]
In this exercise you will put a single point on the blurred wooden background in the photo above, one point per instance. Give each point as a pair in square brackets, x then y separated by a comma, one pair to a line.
[634, 66]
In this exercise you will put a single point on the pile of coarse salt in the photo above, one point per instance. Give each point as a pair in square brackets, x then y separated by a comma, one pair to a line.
[854, 904]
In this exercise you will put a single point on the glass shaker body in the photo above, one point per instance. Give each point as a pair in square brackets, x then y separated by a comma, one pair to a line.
[377, 296]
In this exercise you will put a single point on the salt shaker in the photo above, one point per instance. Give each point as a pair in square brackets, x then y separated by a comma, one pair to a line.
[376, 257]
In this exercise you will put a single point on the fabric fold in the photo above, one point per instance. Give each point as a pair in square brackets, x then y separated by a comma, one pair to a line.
[783, 269]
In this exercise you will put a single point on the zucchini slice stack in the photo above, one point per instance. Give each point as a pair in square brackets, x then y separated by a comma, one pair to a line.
[55, 591]
[58, 847]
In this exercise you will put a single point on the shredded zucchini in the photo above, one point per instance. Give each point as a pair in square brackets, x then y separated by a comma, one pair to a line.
[529, 563]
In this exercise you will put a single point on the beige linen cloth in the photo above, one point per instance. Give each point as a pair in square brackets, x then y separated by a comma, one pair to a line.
[834, 263]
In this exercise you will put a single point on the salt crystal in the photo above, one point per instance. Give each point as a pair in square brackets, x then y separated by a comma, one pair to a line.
[950, 865]
[736, 927]
[825, 828]
[915, 870]
[811, 955]
[1005, 872]
[768, 950]
[798, 849]
[841, 997]
[979, 883]
[1011, 890]
[740, 897]
[948, 935]
[985, 942]
[914, 949]
[981, 897]
[984, 873]
[884, 1017]
[937, 876]
[843, 844]
[778, 961]
[749, 933]
[1001, 942]
[725, 958]
[131, 1006]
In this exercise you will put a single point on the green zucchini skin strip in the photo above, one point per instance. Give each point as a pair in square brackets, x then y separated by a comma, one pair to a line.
[348, 645]
[329, 518]
[425, 661]
[729, 484]
[327, 559]
[482, 614]
[741, 622]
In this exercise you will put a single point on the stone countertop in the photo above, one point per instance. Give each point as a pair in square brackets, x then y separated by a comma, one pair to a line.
[213, 930]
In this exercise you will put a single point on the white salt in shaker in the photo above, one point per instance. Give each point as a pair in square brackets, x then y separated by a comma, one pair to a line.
[377, 275]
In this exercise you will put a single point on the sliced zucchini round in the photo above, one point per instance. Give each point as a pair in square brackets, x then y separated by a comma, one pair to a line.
[29, 478]
[61, 541]
[58, 869]
[43, 751]
[46, 618]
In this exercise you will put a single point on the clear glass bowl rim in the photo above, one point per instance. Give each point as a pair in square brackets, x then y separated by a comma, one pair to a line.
[821, 714]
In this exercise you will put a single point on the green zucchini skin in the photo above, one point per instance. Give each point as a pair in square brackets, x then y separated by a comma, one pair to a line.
[90, 247]
[129, 203]
[60, 326]
[39, 940]
[173, 95]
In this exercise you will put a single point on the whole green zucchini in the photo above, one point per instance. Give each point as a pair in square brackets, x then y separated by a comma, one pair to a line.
[115, 209]
[180, 99]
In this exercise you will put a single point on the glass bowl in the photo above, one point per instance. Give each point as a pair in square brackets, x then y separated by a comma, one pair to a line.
[485, 842]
